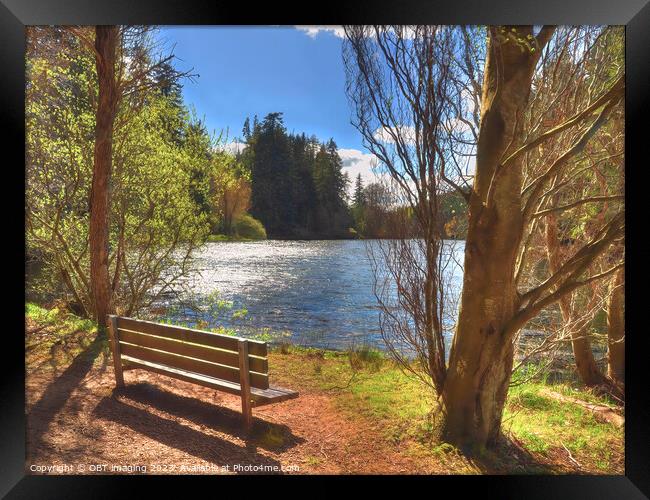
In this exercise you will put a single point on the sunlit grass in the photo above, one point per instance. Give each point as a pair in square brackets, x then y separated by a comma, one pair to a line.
[543, 423]
[403, 409]
[54, 337]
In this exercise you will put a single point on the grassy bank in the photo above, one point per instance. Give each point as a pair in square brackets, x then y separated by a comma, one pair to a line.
[224, 237]
[543, 434]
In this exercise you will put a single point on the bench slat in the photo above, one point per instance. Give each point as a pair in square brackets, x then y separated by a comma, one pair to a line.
[195, 378]
[259, 397]
[273, 395]
[227, 342]
[214, 355]
[172, 360]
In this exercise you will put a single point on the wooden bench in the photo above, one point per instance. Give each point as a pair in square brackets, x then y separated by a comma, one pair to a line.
[230, 364]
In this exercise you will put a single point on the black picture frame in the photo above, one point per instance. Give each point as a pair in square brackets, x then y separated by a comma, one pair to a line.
[16, 14]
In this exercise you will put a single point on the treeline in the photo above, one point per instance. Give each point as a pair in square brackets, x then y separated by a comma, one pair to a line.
[171, 186]
[298, 190]
[377, 214]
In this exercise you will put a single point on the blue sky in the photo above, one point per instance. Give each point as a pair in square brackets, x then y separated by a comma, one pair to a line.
[257, 70]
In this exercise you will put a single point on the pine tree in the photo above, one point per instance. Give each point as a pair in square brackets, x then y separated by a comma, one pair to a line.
[298, 187]
[271, 176]
[246, 130]
[359, 198]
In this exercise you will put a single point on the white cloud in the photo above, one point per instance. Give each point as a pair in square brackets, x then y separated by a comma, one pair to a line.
[407, 32]
[233, 147]
[407, 132]
[357, 162]
[385, 134]
[313, 31]
[458, 126]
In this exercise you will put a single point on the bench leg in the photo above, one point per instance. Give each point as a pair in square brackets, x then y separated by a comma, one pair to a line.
[115, 347]
[244, 379]
[247, 413]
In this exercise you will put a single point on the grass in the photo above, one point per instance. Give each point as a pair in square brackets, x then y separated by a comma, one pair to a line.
[64, 322]
[54, 337]
[224, 237]
[365, 385]
[272, 438]
[403, 409]
[366, 380]
[547, 426]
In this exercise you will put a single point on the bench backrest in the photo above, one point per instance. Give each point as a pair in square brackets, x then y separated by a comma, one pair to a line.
[197, 351]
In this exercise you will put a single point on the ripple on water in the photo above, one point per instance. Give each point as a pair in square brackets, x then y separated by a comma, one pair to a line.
[319, 291]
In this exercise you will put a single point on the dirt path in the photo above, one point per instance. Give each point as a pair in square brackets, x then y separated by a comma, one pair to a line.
[78, 424]
[173, 427]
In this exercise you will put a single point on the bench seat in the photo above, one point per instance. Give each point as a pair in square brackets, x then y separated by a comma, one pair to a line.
[259, 397]
[225, 363]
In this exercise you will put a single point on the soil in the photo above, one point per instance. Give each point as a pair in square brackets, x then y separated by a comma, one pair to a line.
[76, 418]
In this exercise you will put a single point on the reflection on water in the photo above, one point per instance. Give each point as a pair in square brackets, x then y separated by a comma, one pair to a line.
[319, 291]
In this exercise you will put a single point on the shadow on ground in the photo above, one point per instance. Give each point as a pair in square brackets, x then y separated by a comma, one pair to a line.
[57, 394]
[170, 433]
[267, 435]
[509, 457]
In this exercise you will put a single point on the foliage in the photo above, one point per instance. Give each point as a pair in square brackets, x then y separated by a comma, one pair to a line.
[250, 228]
[159, 153]
[54, 337]
[58, 317]
[453, 215]
[230, 192]
[298, 189]
[366, 357]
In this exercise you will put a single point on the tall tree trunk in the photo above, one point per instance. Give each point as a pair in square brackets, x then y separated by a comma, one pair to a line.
[105, 46]
[482, 354]
[586, 365]
[616, 329]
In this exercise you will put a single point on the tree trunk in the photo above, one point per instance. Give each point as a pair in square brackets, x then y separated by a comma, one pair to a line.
[586, 365]
[105, 45]
[481, 356]
[616, 329]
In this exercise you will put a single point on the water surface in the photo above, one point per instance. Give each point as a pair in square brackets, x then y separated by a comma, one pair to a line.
[320, 292]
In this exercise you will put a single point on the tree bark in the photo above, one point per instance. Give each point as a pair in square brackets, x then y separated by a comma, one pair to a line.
[583, 354]
[616, 329]
[105, 46]
[482, 353]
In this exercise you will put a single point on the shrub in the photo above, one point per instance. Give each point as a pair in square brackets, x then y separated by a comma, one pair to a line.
[154, 211]
[365, 357]
[248, 227]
